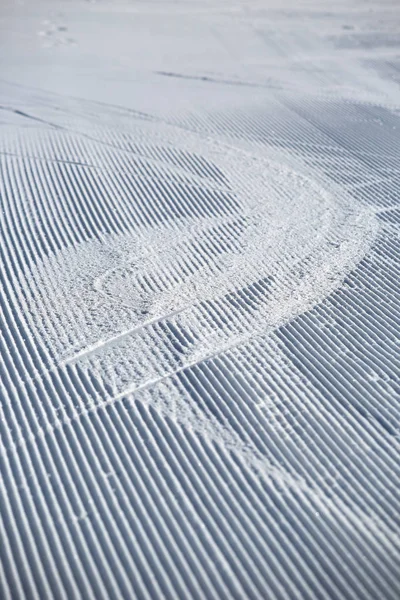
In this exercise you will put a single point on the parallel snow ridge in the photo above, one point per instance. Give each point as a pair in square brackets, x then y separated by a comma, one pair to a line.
[198, 453]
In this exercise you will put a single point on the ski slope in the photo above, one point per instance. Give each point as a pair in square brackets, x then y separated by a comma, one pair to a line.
[199, 299]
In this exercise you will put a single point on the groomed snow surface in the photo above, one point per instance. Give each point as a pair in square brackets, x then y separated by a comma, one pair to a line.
[199, 300]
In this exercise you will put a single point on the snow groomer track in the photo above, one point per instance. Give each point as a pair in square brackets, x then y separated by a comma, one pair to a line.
[199, 300]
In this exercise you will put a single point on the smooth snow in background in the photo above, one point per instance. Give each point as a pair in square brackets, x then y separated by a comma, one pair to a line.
[199, 367]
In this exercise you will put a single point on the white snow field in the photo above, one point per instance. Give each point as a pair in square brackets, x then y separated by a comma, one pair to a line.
[199, 300]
